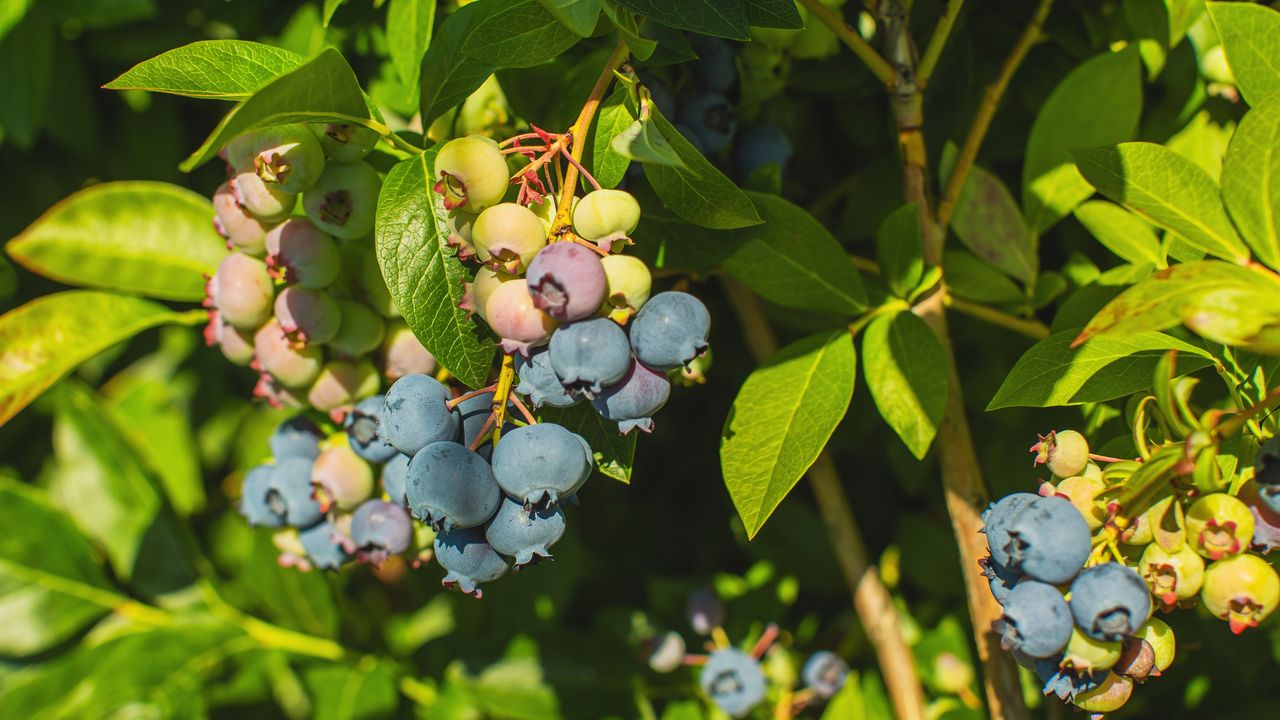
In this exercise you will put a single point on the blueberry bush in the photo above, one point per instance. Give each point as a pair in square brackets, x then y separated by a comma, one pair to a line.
[463, 359]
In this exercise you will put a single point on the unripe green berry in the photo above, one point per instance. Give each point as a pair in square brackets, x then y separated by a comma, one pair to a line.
[1172, 577]
[1219, 525]
[470, 172]
[1110, 696]
[606, 216]
[1084, 654]
[374, 288]
[267, 202]
[1083, 492]
[344, 143]
[460, 224]
[1159, 635]
[629, 283]
[1065, 453]
[507, 236]
[951, 674]
[1241, 589]
[287, 157]
[344, 200]
[302, 254]
[360, 333]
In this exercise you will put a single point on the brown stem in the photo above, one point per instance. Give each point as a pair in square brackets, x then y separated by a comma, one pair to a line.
[871, 600]
[987, 112]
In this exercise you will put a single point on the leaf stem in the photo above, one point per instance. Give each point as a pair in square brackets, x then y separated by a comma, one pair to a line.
[986, 113]
[938, 41]
[871, 599]
[850, 37]
[400, 143]
[1031, 328]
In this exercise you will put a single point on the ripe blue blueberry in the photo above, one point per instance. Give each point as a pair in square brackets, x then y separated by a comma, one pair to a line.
[380, 529]
[715, 69]
[1036, 620]
[711, 117]
[1065, 683]
[450, 487]
[824, 673]
[1000, 579]
[361, 425]
[468, 559]
[538, 463]
[253, 503]
[1110, 601]
[325, 545]
[414, 414]
[632, 401]
[539, 382]
[733, 680]
[525, 535]
[670, 330]
[475, 412]
[296, 437]
[760, 146]
[705, 610]
[1049, 540]
[996, 524]
[289, 493]
[590, 354]
[395, 475]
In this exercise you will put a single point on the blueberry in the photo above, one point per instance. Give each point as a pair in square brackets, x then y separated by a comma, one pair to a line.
[629, 282]
[265, 201]
[325, 545]
[1110, 601]
[715, 68]
[1049, 540]
[1000, 580]
[606, 217]
[476, 293]
[307, 316]
[468, 559]
[525, 535]
[449, 487]
[360, 332]
[470, 171]
[670, 330]
[567, 281]
[341, 477]
[289, 365]
[733, 680]
[414, 414]
[590, 354]
[475, 412]
[340, 384]
[666, 652]
[344, 199]
[241, 290]
[760, 146]
[344, 143]
[236, 344]
[704, 610]
[289, 493]
[1242, 589]
[824, 673]
[296, 437]
[301, 253]
[508, 236]
[1036, 620]
[542, 462]
[403, 354]
[380, 529]
[539, 382]
[996, 524]
[254, 505]
[361, 425]
[244, 231]
[1065, 683]
[511, 314]
[286, 157]
[395, 475]
[632, 401]
[710, 116]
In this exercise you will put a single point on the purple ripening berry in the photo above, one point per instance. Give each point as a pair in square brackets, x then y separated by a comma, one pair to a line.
[567, 281]
[380, 529]
[632, 401]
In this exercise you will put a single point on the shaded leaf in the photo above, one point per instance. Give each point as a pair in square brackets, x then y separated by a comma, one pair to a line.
[517, 33]
[608, 165]
[781, 419]
[580, 16]
[989, 222]
[1250, 36]
[1251, 180]
[212, 69]
[148, 238]
[362, 691]
[409, 27]
[774, 14]
[1121, 232]
[970, 278]
[614, 452]
[906, 371]
[899, 251]
[448, 75]
[698, 192]
[301, 600]
[724, 18]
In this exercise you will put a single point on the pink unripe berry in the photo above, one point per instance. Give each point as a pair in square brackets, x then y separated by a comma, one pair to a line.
[236, 344]
[289, 365]
[460, 223]
[243, 231]
[266, 202]
[403, 354]
[301, 254]
[241, 290]
[476, 293]
[512, 315]
[341, 477]
[341, 384]
[567, 281]
[1083, 491]
[507, 236]
[360, 332]
[277, 396]
[470, 172]
[307, 316]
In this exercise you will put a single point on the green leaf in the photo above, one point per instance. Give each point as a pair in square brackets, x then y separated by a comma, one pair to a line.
[330, 7]
[579, 16]
[49, 336]
[613, 451]
[1121, 232]
[641, 141]
[448, 75]
[323, 90]
[50, 586]
[1251, 180]
[1171, 296]
[1250, 36]
[518, 33]
[1052, 373]
[698, 192]
[906, 371]
[11, 13]
[1098, 103]
[424, 275]
[1168, 190]
[148, 238]
[970, 278]
[303, 601]
[899, 251]
[608, 165]
[212, 69]
[790, 259]
[628, 26]
[781, 14]
[101, 483]
[26, 64]
[724, 18]
[366, 689]
[989, 222]
[409, 27]
[781, 420]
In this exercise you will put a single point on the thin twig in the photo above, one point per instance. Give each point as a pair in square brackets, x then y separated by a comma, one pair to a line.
[850, 37]
[937, 42]
[528, 416]
[1031, 328]
[987, 112]
[871, 599]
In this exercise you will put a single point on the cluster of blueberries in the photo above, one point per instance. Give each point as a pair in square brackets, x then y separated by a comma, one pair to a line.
[301, 298]
[734, 679]
[1082, 622]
